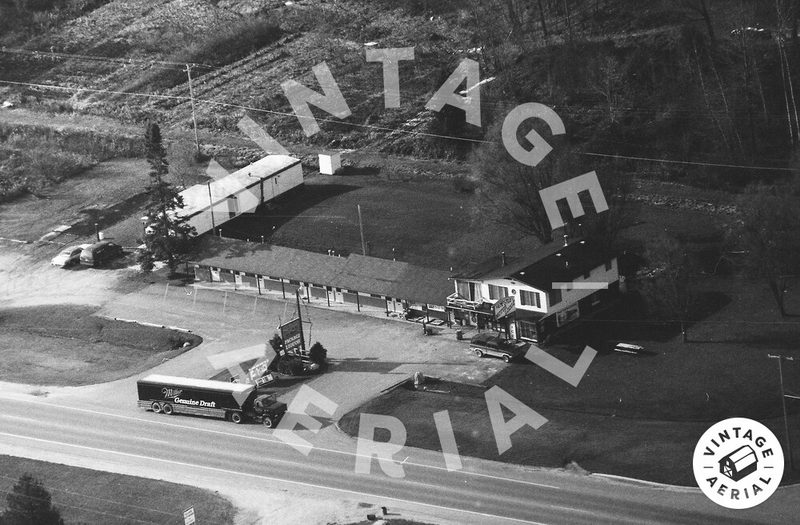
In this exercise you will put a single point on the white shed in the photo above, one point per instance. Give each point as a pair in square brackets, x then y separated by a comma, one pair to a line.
[330, 162]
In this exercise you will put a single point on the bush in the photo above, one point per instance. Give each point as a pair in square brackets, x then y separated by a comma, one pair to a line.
[276, 342]
[291, 365]
[318, 354]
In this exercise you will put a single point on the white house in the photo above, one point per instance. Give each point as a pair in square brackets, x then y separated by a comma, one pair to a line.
[207, 206]
[531, 296]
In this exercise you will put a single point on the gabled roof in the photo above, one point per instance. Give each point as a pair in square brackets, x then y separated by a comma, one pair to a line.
[400, 280]
[539, 268]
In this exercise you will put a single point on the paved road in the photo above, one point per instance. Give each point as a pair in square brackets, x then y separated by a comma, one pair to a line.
[180, 448]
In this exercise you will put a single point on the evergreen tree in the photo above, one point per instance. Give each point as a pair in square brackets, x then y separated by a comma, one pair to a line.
[170, 233]
[29, 503]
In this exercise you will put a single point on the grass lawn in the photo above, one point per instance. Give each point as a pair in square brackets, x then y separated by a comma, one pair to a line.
[91, 496]
[631, 416]
[426, 222]
[68, 345]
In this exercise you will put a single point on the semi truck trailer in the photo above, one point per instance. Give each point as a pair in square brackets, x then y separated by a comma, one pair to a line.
[237, 402]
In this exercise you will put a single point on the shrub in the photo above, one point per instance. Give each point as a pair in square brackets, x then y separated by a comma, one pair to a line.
[276, 342]
[291, 365]
[318, 354]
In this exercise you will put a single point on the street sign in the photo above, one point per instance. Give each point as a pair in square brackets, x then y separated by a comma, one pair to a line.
[292, 335]
[188, 516]
[504, 307]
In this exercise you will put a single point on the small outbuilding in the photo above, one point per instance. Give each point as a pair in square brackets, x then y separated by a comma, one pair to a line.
[330, 163]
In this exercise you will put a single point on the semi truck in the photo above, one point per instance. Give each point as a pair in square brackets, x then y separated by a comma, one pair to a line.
[237, 402]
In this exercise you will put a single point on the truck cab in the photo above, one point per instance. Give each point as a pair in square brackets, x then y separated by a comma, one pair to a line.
[267, 409]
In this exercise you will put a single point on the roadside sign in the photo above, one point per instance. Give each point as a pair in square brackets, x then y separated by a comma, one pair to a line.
[504, 307]
[258, 370]
[292, 335]
[188, 516]
[265, 380]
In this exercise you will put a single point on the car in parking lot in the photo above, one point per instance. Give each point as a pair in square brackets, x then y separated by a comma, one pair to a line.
[496, 345]
[100, 253]
[68, 256]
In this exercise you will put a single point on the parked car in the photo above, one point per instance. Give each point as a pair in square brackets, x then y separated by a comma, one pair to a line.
[68, 256]
[100, 253]
[496, 345]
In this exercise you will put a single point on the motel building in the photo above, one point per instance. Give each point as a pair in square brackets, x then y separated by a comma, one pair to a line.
[532, 296]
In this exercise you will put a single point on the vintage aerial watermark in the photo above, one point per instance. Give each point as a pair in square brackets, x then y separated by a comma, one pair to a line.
[738, 463]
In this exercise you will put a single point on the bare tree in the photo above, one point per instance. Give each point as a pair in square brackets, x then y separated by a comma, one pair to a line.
[700, 7]
[671, 290]
[769, 232]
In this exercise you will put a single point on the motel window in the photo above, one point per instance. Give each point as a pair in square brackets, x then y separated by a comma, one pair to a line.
[497, 292]
[555, 296]
[530, 298]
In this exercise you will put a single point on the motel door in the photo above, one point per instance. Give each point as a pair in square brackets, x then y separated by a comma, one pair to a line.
[237, 278]
[338, 295]
[215, 275]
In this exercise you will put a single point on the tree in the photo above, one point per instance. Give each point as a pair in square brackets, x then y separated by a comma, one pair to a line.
[769, 233]
[671, 290]
[508, 191]
[29, 503]
[700, 7]
[170, 233]
[145, 260]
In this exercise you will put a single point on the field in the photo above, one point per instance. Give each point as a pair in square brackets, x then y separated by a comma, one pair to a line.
[637, 416]
[67, 345]
[91, 496]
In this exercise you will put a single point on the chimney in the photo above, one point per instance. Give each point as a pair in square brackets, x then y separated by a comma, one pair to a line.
[502, 258]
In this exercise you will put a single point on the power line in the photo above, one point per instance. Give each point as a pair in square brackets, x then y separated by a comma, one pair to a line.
[687, 162]
[98, 58]
[373, 127]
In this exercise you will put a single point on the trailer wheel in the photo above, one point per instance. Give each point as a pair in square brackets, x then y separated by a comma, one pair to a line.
[478, 353]
[236, 417]
[167, 409]
[267, 421]
[156, 406]
[507, 359]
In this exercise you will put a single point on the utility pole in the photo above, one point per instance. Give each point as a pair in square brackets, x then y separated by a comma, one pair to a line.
[781, 358]
[211, 207]
[361, 228]
[194, 118]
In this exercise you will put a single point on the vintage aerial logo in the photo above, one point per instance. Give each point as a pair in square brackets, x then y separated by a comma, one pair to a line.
[738, 463]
